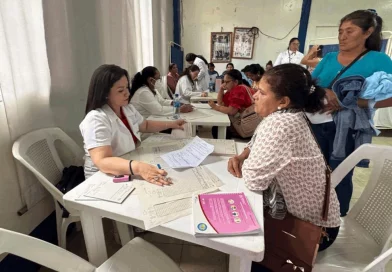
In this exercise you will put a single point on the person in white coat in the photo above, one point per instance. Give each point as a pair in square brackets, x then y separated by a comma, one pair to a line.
[146, 99]
[203, 79]
[186, 86]
[291, 55]
[112, 127]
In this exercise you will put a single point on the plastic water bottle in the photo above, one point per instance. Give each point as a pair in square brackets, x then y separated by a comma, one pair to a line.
[176, 107]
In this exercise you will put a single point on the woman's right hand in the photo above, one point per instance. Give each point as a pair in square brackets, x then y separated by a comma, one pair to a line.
[235, 165]
[333, 103]
[186, 108]
[151, 173]
[314, 49]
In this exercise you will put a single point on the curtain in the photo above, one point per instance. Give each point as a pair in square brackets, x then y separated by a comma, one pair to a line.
[25, 85]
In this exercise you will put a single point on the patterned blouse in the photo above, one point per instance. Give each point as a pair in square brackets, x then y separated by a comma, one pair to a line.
[283, 151]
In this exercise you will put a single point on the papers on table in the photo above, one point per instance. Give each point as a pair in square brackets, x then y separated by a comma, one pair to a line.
[195, 114]
[223, 147]
[108, 191]
[182, 134]
[201, 106]
[190, 155]
[164, 204]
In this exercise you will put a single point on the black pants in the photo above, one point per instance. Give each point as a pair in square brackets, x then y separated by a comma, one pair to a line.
[327, 242]
[229, 134]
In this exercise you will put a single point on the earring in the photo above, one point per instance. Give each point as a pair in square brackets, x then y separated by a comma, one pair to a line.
[279, 108]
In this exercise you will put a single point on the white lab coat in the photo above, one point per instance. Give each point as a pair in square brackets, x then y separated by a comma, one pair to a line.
[146, 103]
[102, 127]
[186, 89]
[203, 78]
[289, 56]
[162, 88]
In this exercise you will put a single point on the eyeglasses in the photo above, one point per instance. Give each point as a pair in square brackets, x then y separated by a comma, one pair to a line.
[225, 82]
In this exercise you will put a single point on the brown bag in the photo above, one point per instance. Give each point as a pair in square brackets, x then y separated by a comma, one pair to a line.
[246, 122]
[292, 244]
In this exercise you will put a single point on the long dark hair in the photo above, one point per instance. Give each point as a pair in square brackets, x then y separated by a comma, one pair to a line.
[366, 19]
[191, 57]
[234, 74]
[140, 79]
[296, 83]
[188, 70]
[256, 69]
[101, 82]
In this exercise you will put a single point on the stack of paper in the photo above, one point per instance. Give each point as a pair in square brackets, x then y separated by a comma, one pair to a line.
[190, 155]
[182, 134]
[107, 190]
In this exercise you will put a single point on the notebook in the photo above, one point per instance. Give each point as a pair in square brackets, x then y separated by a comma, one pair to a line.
[223, 214]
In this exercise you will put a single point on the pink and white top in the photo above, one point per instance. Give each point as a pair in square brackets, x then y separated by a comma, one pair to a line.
[283, 149]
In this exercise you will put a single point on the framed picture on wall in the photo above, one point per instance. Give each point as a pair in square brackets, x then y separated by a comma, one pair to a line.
[243, 43]
[221, 46]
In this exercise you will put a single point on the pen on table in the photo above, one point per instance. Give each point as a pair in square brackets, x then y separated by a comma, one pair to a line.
[166, 178]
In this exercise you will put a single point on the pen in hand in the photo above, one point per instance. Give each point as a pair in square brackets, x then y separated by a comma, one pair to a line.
[164, 177]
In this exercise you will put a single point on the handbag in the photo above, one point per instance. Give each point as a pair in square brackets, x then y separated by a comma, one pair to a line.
[292, 244]
[246, 121]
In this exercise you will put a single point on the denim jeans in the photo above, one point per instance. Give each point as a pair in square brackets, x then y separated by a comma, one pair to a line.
[325, 135]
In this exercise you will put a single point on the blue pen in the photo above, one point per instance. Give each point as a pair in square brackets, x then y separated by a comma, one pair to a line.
[159, 166]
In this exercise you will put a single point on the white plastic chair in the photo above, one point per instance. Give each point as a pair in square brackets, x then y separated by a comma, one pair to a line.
[39, 152]
[366, 232]
[136, 256]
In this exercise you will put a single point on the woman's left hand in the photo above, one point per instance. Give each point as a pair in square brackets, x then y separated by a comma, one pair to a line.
[178, 124]
[212, 104]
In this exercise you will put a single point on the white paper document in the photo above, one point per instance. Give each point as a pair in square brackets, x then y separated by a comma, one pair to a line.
[182, 134]
[110, 191]
[201, 106]
[195, 114]
[223, 147]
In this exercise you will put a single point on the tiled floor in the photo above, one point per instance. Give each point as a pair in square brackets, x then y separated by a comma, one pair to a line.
[194, 258]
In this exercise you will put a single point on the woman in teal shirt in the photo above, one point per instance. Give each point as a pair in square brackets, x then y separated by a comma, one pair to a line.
[359, 31]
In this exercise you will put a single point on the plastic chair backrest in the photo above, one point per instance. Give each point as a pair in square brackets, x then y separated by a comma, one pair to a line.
[373, 210]
[39, 152]
[42, 252]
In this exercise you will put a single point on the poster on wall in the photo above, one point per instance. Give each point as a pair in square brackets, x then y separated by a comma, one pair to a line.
[221, 46]
[243, 43]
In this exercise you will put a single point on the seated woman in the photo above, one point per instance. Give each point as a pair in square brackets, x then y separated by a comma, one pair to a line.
[172, 77]
[145, 98]
[269, 65]
[283, 155]
[235, 100]
[229, 67]
[255, 72]
[313, 57]
[112, 128]
[186, 86]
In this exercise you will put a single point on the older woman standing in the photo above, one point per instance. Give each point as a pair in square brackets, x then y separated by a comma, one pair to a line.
[359, 36]
[283, 153]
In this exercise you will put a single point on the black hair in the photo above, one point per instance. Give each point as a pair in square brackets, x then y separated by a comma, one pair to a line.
[101, 82]
[256, 69]
[211, 65]
[191, 57]
[295, 82]
[171, 66]
[291, 40]
[188, 70]
[235, 75]
[365, 19]
[230, 64]
[245, 69]
[269, 63]
[140, 79]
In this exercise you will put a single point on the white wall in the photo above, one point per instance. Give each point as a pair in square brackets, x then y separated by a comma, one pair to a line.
[325, 17]
[273, 17]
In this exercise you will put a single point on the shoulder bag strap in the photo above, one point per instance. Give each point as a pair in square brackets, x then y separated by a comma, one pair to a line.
[250, 95]
[327, 174]
[346, 68]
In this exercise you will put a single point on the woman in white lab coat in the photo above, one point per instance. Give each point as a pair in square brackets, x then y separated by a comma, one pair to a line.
[203, 79]
[186, 86]
[112, 127]
[146, 99]
[291, 55]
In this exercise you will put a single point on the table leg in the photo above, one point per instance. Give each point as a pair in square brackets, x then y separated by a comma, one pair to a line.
[125, 232]
[94, 238]
[222, 133]
[194, 128]
[237, 264]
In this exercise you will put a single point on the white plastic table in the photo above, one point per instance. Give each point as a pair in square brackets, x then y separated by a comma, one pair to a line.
[216, 118]
[242, 249]
[212, 96]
